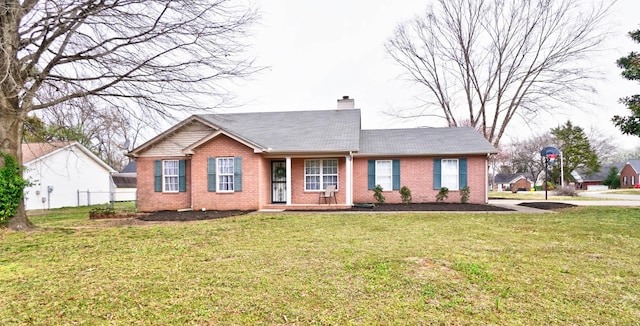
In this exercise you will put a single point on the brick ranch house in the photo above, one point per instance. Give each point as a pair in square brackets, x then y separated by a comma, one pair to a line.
[511, 182]
[284, 160]
[630, 174]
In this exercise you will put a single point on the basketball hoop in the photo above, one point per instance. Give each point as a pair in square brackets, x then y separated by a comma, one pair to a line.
[550, 153]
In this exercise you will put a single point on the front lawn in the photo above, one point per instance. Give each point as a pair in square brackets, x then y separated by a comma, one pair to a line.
[578, 266]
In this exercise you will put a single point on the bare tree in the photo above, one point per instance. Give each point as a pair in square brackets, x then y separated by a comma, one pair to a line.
[105, 131]
[150, 57]
[488, 61]
[604, 145]
[524, 155]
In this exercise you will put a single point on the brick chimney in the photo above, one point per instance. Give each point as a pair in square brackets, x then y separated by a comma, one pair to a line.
[346, 103]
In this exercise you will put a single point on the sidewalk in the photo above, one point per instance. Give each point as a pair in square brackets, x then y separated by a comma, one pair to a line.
[514, 204]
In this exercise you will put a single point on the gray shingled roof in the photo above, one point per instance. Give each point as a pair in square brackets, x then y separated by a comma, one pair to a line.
[635, 164]
[508, 177]
[130, 168]
[424, 141]
[124, 180]
[295, 131]
[603, 173]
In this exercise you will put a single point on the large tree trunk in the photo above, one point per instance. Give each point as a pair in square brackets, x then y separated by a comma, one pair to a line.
[11, 123]
[20, 221]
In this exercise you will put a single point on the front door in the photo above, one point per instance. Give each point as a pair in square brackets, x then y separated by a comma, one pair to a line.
[278, 182]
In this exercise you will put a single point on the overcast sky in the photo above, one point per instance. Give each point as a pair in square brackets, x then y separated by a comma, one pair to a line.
[318, 51]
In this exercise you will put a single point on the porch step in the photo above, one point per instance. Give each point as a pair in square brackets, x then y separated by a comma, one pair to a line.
[305, 207]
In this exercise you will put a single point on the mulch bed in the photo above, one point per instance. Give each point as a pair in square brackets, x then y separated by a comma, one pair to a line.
[547, 205]
[190, 215]
[212, 214]
[432, 207]
[197, 215]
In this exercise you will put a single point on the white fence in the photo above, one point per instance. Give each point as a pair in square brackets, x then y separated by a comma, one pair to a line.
[88, 197]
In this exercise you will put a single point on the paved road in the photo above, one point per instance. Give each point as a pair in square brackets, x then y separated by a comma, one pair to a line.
[612, 200]
[607, 195]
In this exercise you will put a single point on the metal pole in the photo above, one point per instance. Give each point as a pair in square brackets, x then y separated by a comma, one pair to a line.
[546, 177]
[561, 169]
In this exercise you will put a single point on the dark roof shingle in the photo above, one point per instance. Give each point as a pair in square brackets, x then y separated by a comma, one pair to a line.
[424, 141]
[295, 131]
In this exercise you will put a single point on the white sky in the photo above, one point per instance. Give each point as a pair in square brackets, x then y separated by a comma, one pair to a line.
[318, 51]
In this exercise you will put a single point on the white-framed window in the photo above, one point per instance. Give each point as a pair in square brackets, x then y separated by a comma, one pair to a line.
[224, 166]
[170, 169]
[318, 174]
[633, 180]
[450, 174]
[624, 180]
[384, 174]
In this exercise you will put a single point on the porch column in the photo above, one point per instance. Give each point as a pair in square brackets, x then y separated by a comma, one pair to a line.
[349, 181]
[288, 185]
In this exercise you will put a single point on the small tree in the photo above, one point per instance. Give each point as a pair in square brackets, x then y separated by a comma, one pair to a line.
[576, 152]
[612, 180]
[405, 194]
[442, 195]
[377, 194]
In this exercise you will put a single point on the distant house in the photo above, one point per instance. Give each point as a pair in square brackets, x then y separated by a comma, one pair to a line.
[511, 182]
[630, 174]
[64, 174]
[594, 180]
[286, 160]
[124, 183]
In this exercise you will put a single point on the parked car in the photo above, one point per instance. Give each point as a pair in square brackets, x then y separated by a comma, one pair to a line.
[637, 186]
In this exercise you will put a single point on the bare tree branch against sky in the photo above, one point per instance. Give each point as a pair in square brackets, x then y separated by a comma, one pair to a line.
[318, 52]
[148, 57]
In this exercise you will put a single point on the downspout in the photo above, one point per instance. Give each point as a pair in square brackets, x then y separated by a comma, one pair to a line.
[349, 192]
[190, 181]
[486, 180]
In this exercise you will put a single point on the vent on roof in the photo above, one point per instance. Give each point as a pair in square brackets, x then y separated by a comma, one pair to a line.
[346, 103]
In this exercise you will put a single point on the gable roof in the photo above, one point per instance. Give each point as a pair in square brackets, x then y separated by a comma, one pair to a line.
[33, 152]
[424, 141]
[294, 131]
[635, 164]
[508, 177]
[601, 174]
[326, 131]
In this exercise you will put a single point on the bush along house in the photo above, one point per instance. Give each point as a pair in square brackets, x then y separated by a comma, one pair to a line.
[286, 160]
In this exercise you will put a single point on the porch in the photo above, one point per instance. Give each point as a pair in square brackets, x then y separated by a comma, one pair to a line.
[305, 207]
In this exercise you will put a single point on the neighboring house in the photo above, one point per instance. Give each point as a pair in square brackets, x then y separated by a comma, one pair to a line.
[511, 182]
[124, 183]
[594, 181]
[284, 160]
[630, 174]
[64, 174]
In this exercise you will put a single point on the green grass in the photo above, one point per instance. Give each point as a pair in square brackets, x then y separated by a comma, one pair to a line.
[625, 192]
[578, 266]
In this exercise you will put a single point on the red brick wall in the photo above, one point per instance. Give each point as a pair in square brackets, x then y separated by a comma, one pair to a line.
[300, 196]
[223, 146]
[416, 173]
[521, 183]
[628, 171]
[196, 170]
[148, 199]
